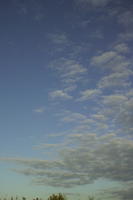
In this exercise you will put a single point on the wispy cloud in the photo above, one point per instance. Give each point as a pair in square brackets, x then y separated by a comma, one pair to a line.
[35, 8]
[69, 116]
[126, 18]
[59, 94]
[58, 38]
[126, 36]
[122, 48]
[111, 60]
[94, 3]
[69, 70]
[39, 110]
[88, 94]
[118, 109]
[125, 192]
[114, 100]
[119, 80]
[103, 58]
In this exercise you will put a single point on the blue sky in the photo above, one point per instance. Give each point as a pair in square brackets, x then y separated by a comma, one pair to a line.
[66, 81]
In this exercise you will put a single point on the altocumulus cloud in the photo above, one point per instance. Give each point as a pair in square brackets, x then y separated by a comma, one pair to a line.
[70, 71]
[123, 193]
[91, 157]
[60, 94]
[119, 109]
[88, 94]
[116, 79]
[111, 60]
[94, 3]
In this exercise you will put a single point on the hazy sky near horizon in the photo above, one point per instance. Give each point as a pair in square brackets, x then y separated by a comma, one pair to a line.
[66, 82]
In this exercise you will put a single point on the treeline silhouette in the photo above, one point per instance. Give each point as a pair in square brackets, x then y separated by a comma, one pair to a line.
[59, 196]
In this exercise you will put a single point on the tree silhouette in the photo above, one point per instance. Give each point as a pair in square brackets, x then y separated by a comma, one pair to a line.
[57, 197]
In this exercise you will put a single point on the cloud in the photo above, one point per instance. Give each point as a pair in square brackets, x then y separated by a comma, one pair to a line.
[114, 100]
[103, 58]
[111, 60]
[79, 122]
[70, 88]
[119, 80]
[126, 18]
[130, 93]
[35, 8]
[39, 110]
[58, 38]
[94, 156]
[51, 146]
[88, 94]
[118, 108]
[125, 117]
[59, 94]
[89, 158]
[125, 192]
[69, 70]
[33, 163]
[69, 116]
[122, 48]
[94, 3]
[126, 36]
[99, 117]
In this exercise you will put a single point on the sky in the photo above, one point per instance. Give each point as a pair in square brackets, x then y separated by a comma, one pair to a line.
[66, 84]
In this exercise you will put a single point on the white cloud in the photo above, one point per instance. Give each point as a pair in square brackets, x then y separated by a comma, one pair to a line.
[75, 69]
[70, 88]
[69, 116]
[70, 71]
[39, 110]
[99, 117]
[116, 80]
[59, 94]
[122, 48]
[50, 146]
[87, 94]
[80, 122]
[114, 100]
[125, 117]
[112, 105]
[95, 3]
[91, 158]
[103, 58]
[111, 60]
[119, 111]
